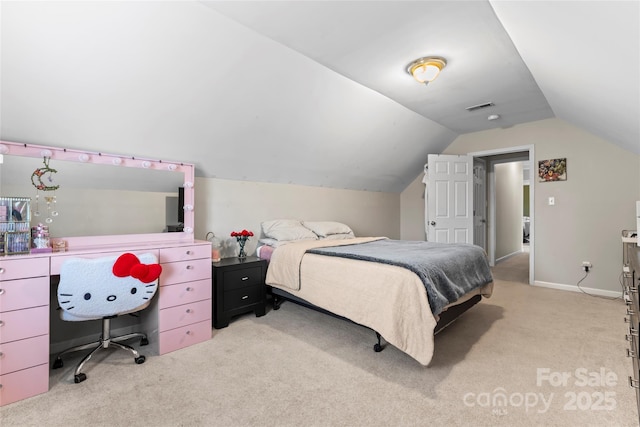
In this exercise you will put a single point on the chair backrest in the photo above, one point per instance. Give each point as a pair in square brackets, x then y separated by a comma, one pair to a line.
[89, 289]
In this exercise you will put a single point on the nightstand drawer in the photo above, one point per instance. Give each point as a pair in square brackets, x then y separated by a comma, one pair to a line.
[242, 297]
[242, 278]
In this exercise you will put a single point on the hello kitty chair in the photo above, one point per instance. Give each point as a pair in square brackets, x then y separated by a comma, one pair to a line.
[104, 288]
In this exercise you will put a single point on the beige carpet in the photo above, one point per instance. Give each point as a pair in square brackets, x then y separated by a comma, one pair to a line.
[296, 367]
[513, 269]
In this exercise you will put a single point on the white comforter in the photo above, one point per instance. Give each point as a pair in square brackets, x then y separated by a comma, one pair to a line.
[388, 299]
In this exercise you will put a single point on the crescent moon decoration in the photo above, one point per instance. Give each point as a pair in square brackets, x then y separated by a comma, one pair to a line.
[38, 174]
[36, 179]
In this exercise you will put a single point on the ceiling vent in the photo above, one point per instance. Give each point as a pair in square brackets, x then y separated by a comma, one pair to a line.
[480, 106]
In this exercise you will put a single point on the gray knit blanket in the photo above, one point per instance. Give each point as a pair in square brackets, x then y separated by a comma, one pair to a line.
[447, 270]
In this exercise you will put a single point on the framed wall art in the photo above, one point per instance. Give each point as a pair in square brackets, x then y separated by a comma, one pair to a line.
[552, 170]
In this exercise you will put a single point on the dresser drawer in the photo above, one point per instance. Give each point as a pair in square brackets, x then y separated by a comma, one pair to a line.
[27, 323]
[185, 253]
[185, 336]
[185, 271]
[24, 293]
[238, 298]
[23, 268]
[183, 293]
[241, 278]
[22, 384]
[181, 315]
[22, 354]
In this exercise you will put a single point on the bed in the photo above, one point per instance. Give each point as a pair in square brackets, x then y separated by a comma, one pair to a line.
[385, 296]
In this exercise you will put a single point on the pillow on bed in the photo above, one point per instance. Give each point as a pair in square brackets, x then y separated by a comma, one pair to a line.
[287, 229]
[340, 236]
[273, 242]
[327, 228]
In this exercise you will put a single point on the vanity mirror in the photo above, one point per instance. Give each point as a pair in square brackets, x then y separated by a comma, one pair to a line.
[99, 194]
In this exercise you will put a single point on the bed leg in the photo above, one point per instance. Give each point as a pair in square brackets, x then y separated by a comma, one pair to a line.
[276, 300]
[377, 347]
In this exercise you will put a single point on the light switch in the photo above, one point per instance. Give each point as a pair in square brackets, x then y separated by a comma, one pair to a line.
[552, 201]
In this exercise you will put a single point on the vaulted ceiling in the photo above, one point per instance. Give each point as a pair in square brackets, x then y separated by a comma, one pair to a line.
[311, 92]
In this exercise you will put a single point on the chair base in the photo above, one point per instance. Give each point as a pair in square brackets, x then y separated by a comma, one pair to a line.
[104, 342]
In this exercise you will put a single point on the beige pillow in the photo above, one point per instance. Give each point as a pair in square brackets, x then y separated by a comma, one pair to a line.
[287, 229]
[327, 228]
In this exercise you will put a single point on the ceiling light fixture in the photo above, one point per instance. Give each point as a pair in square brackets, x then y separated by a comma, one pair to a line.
[425, 70]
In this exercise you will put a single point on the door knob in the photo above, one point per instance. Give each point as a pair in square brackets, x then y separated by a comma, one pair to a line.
[433, 223]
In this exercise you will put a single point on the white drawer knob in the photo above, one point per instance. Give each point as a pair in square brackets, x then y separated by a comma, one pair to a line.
[245, 278]
[1, 291]
[1, 270]
[1, 323]
[245, 297]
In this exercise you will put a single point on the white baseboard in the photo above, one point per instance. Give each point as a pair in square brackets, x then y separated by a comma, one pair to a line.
[502, 258]
[573, 288]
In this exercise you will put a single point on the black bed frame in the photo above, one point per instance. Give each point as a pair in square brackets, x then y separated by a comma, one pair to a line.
[278, 296]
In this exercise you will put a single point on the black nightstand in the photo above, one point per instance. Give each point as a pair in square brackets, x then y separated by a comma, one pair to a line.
[238, 287]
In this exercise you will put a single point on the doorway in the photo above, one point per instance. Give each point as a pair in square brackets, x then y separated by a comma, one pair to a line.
[495, 207]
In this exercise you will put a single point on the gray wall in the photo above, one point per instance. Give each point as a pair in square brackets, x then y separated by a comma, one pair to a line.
[592, 206]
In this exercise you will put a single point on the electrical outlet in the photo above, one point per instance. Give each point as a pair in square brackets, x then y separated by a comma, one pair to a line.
[586, 266]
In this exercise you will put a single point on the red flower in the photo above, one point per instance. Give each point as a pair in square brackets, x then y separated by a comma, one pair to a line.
[244, 234]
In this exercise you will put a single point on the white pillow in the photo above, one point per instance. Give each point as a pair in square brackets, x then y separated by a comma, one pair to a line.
[327, 228]
[273, 242]
[340, 236]
[287, 229]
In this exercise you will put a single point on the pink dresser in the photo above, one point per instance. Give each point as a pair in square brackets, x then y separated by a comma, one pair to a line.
[178, 317]
[24, 328]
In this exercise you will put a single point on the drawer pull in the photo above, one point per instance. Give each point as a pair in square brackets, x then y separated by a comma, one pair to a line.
[1, 354]
[628, 337]
[189, 333]
[633, 383]
[1, 291]
[189, 310]
[189, 252]
[627, 320]
[633, 290]
[1, 270]
[189, 267]
[245, 297]
[245, 278]
[633, 332]
[189, 289]
[631, 353]
[630, 312]
[1, 323]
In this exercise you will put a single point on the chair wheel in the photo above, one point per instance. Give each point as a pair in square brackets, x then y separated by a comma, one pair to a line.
[57, 363]
[79, 378]
[144, 341]
[140, 360]
[377, 348]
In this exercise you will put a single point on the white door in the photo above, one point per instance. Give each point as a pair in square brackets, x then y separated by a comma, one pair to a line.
[450, 189]
[480, 203]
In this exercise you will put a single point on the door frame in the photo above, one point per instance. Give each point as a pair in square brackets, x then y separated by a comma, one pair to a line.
[531, 149]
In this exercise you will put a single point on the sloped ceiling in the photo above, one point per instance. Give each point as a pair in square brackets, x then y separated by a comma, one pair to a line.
[311, 93]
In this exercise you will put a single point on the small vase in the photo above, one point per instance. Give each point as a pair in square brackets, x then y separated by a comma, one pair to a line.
[242, 254]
